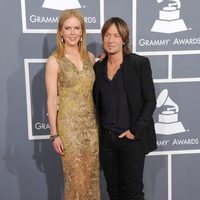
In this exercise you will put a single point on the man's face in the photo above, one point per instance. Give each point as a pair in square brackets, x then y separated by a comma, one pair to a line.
[112, 41]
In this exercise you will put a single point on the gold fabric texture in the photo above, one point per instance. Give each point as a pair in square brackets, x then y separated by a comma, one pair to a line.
[78, 130]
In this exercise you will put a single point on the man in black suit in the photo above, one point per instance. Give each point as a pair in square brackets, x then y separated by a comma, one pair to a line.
[125, 100]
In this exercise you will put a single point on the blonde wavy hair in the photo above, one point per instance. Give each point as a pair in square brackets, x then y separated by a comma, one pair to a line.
[60, 51]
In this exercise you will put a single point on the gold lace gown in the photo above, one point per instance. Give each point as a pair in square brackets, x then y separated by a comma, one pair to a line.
[78, 130]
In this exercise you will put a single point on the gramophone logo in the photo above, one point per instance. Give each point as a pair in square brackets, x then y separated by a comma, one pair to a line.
[169, 18]
[61, 4]
[168, 122]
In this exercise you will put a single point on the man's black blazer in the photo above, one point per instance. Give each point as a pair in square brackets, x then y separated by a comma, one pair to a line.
[137, 77]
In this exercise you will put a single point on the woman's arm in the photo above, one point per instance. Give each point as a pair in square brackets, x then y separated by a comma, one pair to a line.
[51, 76]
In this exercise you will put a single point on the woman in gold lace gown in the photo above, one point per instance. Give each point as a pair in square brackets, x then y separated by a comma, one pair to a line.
[69, 75]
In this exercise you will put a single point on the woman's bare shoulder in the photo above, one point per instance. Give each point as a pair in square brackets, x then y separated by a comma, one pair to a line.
[91, 57]
[52, 63]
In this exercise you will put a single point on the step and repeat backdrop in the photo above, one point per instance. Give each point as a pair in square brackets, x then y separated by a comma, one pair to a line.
[166, 31]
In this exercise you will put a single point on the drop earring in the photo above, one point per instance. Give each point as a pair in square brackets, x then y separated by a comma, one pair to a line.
[62, 39]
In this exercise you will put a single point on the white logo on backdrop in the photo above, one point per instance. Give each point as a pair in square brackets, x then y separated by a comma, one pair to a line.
[35, 125]
[61, 4]
[43, 17]
[168, 122]
[169, 19]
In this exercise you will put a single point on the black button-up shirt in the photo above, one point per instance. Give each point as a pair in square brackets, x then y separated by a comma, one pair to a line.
[113, 101]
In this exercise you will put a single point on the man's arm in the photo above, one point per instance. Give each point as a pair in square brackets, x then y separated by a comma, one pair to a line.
[149, 98]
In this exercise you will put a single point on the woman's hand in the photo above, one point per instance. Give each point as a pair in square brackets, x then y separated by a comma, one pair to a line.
[58, 146]
[102, 56]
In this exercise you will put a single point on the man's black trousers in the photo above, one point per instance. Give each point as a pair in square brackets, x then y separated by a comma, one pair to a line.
[122, 160]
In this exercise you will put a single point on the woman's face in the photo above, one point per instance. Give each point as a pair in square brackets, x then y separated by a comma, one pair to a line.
[71, 31]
